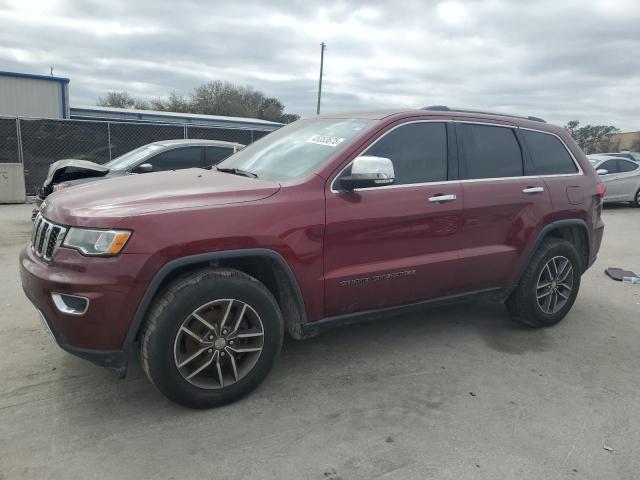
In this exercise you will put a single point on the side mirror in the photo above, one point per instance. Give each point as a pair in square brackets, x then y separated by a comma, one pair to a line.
[143, 168]
[602, 171]
[368, 171]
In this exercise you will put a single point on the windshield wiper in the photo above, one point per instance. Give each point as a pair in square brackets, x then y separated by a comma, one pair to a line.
[237, 171]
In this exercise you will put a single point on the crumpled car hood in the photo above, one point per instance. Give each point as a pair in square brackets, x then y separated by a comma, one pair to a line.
[105, 203]
[73, 169]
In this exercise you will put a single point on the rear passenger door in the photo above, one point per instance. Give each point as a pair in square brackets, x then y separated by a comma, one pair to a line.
[504, 204]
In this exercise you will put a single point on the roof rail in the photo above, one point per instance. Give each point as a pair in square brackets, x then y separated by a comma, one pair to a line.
[444, 108]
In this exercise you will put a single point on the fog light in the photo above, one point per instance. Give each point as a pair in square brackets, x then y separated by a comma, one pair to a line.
[70, 304]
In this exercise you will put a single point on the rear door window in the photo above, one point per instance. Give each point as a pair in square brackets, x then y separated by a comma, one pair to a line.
[549, 155]
[214, 155]
[626, 166]
[490, 152]
[418, 152]
[177, 159]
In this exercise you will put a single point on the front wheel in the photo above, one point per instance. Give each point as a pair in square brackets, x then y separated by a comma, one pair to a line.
[211, 338]
[549, 285]
[636, 199]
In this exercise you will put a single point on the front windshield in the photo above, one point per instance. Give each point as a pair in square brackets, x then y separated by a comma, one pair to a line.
[296, 150]
[129, 159]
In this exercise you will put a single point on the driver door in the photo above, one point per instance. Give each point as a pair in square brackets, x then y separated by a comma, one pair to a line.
[396, 244]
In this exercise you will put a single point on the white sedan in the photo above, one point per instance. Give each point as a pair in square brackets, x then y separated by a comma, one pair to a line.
[621, 176]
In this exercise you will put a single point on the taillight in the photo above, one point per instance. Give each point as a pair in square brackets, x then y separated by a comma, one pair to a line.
[602, 189]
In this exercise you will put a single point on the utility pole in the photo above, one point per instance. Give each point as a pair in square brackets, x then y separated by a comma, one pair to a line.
[322, 47]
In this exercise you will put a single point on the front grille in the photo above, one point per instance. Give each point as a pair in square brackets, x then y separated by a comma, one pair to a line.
[46, 237]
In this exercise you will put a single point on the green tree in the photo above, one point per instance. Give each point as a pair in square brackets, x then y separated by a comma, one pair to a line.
[119, 100]
[593, 138]
[271, 109]
[212, 98]
[175, 103]
[289, 117]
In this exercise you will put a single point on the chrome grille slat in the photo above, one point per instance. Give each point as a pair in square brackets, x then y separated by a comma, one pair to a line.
[43, 234]
[36, 225]
[40, 226]
[46, 237]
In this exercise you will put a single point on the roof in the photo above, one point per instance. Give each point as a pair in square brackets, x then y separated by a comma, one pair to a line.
[368, 114]
[445, 112]
[195, 141]
[33, 76]
[95, 111]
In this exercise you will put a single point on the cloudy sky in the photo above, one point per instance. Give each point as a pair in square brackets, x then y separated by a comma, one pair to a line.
[558, 59]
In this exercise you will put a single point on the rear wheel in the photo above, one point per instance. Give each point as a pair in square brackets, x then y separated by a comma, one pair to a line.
[549, 285]
[211, 338]
[636, 199]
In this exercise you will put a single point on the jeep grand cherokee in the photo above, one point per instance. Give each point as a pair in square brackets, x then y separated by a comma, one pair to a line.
[324, 222]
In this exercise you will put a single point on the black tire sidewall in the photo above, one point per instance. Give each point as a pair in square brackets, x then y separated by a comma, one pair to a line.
[560, 248]
[162, 368]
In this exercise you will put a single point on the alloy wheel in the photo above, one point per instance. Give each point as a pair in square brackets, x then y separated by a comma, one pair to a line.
[555, 284]
[218, 343]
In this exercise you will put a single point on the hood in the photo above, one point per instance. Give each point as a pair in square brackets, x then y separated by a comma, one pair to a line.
[104, 203]
[72, 169]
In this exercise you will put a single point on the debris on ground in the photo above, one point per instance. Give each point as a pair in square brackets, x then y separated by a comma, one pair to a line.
[619, 273]
[607, 448]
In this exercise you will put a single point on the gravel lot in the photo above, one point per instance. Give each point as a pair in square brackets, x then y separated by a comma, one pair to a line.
[455, 392]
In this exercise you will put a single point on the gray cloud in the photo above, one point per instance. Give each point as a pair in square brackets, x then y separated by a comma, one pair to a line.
[558, 60]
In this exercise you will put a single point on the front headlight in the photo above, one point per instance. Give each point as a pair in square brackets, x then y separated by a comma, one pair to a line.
[60, 186]
[90, 241]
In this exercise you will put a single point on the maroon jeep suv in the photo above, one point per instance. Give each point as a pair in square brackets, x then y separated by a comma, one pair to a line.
[325, 222]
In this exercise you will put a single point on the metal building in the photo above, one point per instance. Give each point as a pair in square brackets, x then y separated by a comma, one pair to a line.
[27, 95]
[131, 115]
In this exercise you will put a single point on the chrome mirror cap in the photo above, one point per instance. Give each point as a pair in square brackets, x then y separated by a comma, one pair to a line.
[368, 171]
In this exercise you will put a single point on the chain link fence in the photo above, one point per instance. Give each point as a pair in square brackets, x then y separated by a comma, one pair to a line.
[37, 143]
[9, 150]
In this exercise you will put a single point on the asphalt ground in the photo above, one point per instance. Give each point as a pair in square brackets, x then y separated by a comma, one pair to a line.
[449, 393]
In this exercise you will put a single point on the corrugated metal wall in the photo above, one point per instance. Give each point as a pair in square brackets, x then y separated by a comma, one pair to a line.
[30, 97]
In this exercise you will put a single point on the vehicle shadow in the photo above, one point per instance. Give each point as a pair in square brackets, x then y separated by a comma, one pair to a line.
[396, 346]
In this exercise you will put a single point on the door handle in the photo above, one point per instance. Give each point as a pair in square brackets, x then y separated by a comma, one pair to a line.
[443, 198]
[533, 190]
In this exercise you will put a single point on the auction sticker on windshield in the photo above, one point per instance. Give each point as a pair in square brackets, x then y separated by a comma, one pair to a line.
[325, 140]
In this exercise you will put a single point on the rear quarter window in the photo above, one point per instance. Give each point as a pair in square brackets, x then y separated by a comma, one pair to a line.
[626, 166]
[548, 153]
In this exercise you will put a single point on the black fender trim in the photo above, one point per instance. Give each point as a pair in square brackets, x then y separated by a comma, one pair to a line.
[169, 267]
[573, 222]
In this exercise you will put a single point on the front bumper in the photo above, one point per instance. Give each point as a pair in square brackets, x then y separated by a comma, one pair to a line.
[116, 360]
[114, 287]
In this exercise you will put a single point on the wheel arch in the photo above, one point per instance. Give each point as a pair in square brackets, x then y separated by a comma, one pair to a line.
[267, 266]
[573, 230]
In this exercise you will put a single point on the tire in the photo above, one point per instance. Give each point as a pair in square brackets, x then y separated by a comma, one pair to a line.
[178, 327]
[636, 199]
[524, 304]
